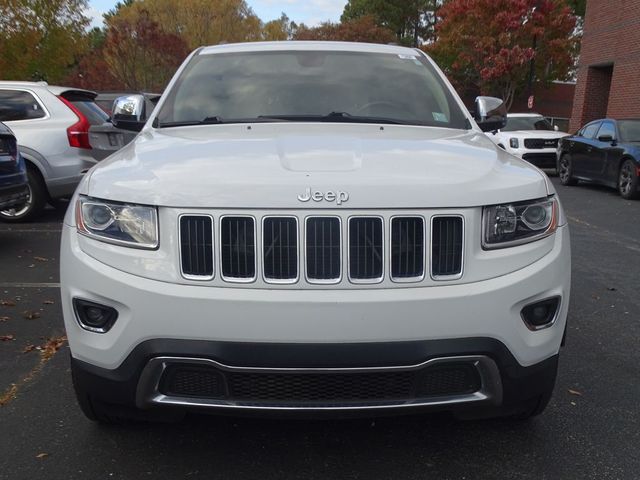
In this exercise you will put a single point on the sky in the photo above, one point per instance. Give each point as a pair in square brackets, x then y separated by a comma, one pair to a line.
[310, 12]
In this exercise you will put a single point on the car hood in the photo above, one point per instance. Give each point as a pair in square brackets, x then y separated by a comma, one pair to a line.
[268, 165]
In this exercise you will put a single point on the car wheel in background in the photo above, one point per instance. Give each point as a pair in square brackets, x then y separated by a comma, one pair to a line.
[36, 200]
[565, 170]
[628, 180]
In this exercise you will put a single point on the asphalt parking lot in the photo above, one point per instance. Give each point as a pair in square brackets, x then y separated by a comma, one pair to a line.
[591, 429]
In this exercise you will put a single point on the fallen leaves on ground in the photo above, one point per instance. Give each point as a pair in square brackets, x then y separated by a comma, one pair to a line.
[29, 348]
[575, 392]
[5, 319]
[31, 314]
[6, 338]
[7, 303]
[41, 259]
[48, 302]
[9, 395]
[42, 455]
[52, 345]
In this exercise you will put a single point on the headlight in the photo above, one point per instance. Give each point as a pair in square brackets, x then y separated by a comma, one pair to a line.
[513, 142]
[130, 225]
[517, 223]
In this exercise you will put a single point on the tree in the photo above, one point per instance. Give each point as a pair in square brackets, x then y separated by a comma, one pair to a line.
[140, 54]
[362, 29]
[490, 44]
[281, 29]
[201, 22]
[41, 39]
[413, 21]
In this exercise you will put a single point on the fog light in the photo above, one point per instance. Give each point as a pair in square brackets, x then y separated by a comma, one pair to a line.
[540, 314]
[93, 316]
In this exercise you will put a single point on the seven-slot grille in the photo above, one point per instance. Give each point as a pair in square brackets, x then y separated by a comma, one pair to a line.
[291, 245]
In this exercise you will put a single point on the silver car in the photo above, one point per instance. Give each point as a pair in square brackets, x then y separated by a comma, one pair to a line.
[52, 126]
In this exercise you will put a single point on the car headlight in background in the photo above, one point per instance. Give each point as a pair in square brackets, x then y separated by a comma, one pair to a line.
[517, 223]
[513, 143]
[122, 224]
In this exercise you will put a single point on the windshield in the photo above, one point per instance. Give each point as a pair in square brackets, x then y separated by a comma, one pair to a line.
[629, 130]
[527, 123]
[311, 86]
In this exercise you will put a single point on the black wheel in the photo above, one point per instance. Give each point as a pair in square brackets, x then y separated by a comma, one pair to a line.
[36, 200]
[565, 170]
[628, 180]
[110, 414]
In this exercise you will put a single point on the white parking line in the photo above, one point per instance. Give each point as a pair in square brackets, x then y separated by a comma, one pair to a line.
[28, 285]
[30, 230]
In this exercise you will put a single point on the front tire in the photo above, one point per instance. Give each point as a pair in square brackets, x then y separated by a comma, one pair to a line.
[36, 200]
[565, 171]
[628, 180]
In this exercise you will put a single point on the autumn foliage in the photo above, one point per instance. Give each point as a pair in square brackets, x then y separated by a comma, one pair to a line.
[362, 29]
[489, 44]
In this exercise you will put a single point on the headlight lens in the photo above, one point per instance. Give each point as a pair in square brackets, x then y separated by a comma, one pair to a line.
[514, 142]
[517, 223]
[130, 225]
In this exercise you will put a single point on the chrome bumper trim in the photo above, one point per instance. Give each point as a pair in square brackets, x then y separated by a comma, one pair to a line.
[148, 393]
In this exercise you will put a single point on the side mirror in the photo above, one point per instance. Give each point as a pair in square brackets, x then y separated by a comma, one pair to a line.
[129, 112]
[491, 113]
[605, 139]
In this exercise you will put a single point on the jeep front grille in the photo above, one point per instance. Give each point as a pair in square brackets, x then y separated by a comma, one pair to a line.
[341, 248]
[238, 248]
[323, 251]
[280, 249]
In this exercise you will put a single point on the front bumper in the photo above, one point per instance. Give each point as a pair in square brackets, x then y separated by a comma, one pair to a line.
[541, 158]
[314, 329]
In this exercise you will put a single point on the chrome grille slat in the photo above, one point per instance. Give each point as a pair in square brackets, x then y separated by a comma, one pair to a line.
[366, 249]
[407, 248]
[280, 249]
[196, 246]
[238, 255]
[323, 249]
[446, 247]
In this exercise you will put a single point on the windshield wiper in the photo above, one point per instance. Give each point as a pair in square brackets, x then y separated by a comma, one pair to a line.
[186, 123]
[339, 117]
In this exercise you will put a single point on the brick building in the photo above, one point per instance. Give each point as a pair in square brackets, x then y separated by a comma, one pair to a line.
[609, 66]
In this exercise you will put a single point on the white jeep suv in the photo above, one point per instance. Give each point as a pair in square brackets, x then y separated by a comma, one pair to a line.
[313, 227]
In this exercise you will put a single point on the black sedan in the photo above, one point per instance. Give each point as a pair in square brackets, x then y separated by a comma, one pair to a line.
[14, 189]
[603, 151]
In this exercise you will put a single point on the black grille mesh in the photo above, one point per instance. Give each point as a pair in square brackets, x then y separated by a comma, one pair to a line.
[407, 247]
[196, 244]
[320, 388]
[238, 255]
[323, 248]
[446, 244]
[280, 248]
[365, 248]
[539, 143]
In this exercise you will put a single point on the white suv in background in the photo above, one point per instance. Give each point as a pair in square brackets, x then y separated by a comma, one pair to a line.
[529, 136]
[51, 125]
[313, 227]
